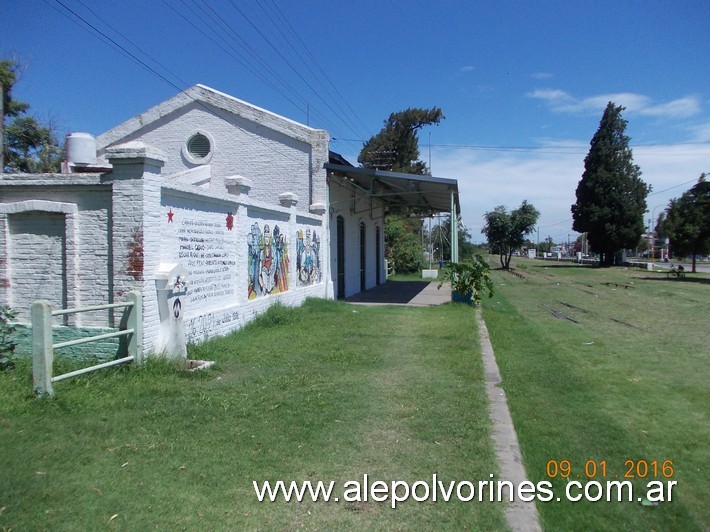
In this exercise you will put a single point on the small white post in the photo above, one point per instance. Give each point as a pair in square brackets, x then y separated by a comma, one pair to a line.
[42, 350]
[135, 322]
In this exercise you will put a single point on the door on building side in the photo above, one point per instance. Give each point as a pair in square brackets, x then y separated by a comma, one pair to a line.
[362, 256]
[378, 254]
[340, 256]
[37, 261]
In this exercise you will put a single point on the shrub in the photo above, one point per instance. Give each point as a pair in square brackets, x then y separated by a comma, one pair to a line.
[7, 345]
[468, 277]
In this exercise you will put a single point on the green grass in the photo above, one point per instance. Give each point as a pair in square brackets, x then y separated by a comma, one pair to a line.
[328, 391]
[413, 276]
[627, 381]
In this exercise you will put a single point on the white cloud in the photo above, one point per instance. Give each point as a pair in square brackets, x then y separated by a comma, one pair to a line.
[552, 96]
[467, 68]
[701, 132]
[548, 178]
[680, 108]
[560, 101]
[488, 179]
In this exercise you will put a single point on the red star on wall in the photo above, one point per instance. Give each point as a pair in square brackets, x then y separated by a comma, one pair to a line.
[230, 221]
[170, 215]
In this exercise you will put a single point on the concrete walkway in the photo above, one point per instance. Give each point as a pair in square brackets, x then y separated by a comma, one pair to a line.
[411, 293]
[521, 516]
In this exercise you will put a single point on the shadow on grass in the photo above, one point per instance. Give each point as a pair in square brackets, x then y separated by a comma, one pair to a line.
[686, 279]
[566, 265]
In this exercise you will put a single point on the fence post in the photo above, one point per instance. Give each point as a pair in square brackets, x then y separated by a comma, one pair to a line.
[42, 350]
[135, 322]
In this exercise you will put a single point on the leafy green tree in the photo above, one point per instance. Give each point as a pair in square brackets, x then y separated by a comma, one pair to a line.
[688, 221]
[611, 197]
[8, 77]
[506, 231]
[27, 144]
[403, 242]
[396, 147]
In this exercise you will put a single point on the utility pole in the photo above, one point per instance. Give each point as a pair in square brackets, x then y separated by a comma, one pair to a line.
[538, 241]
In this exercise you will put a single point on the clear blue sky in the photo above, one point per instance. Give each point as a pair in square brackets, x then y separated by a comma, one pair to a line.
[522, 84]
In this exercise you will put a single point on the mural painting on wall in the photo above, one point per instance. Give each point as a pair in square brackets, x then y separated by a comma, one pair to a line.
[308, 257]
[268, 261]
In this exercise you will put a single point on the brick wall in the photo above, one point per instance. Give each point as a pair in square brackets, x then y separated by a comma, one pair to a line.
[356, 208]
[159, 206]
[210, 235]
[54, 243]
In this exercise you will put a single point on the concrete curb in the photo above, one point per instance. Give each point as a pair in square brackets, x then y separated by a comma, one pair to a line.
[521, 516]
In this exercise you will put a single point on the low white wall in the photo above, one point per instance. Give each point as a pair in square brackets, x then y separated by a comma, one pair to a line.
[241, 257]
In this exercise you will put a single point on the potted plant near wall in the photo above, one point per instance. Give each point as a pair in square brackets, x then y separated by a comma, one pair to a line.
[468, 280]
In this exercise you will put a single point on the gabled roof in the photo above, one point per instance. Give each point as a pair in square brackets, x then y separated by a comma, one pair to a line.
[398, 190]
[211, 99]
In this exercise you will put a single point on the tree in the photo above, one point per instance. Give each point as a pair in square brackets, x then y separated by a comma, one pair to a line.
[506, 231]
[403, 242]
[27, 144]
[688, 221]
[396, 147]
[611, 197]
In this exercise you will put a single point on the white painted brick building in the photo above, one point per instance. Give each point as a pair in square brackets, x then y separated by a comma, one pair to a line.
[241, 203]
[235, 197]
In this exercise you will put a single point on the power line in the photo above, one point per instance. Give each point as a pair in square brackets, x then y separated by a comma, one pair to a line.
[674, 186]
[571, 150]
[229, 50]
[313, 60]
[91, 28]
[111, 42]
[345, 119]
[253, 57]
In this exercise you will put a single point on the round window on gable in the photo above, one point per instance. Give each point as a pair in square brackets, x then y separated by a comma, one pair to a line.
[199, 146]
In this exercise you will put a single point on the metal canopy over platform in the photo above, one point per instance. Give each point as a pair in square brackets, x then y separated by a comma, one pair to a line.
[398, 190]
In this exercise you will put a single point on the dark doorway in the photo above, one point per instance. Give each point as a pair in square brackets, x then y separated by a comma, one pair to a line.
[340, 256]
[378, 254]
[362, 256]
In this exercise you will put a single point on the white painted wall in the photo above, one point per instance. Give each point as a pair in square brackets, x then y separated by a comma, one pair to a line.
[157, 206]
[275, 153]
[54, 243]
[355, 208]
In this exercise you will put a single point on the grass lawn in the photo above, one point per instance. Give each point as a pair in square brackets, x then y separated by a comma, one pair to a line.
[608, 365]
[328, 391]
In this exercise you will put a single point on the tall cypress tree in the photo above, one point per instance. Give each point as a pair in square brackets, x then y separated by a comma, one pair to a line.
[611, 197]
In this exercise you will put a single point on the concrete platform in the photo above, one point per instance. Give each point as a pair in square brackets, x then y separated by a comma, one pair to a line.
[411, 293]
